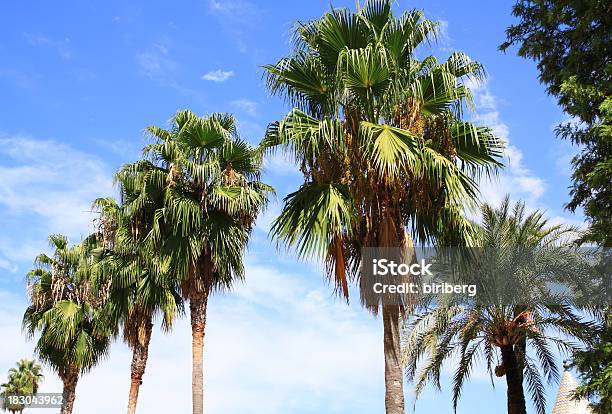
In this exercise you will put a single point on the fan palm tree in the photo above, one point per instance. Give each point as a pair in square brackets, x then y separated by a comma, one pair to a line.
[29, 372]
[15, 387]
[380, 138]
[212, 196]
[142, 284]
[22, 381]
[65, 313]
[522, 253]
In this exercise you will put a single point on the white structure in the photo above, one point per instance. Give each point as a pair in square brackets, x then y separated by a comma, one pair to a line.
[565, 404]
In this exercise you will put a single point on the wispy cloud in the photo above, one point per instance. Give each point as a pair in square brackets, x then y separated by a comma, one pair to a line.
[19, 78]
[6, 265]
[238, 7]
[49, 186]
[445, 41]
[62, 47]
[216, 5]
[311, 334]
[281, 164]
[156, 64]
[246, 106]
[516, 179]
[218, 75]
[239, 19]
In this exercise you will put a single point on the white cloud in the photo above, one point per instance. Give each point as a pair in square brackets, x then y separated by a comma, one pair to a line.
[280, 342]
[46, 187]
[264, 221]
[246, 105]
[6, 265]
[516, 179]
[280, 163]
[444, 40]
[218, 75]
[239, 8]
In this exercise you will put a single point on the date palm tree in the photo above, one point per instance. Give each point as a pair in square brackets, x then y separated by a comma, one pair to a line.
[212, 196]
[22, 381]
[65, 313]
[518, 321]
[380, 137]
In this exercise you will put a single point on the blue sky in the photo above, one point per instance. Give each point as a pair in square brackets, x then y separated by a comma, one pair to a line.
[81, 79]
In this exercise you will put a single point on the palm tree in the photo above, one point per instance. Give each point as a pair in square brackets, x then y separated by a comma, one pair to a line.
[15, 387]
[379, 136]
[29, 372]
[65, 313]
[519, 255]
[141, 283]
[212, 196]
[22, 381]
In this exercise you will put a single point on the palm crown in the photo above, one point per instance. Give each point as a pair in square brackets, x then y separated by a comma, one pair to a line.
[142, 284]
[212, 194]
[378, 135]
[65, 309]
[65, 312]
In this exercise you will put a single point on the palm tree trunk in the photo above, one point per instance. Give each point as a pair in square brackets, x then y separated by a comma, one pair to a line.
[140, 354]
[394, 378]
[521, 345]
[514, 381]
[70, 380]
[197, 307]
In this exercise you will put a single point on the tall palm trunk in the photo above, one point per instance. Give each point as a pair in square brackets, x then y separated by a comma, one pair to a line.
[197, 307]
[394, 377]
[70, 379]
[140, 354]
[389, 237]
[514, 381]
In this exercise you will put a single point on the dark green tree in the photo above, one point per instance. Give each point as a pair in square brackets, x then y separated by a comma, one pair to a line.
[595, 369]
[571, 41]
